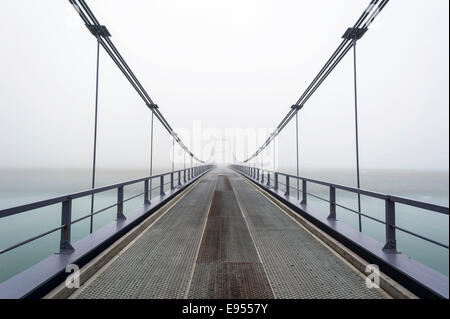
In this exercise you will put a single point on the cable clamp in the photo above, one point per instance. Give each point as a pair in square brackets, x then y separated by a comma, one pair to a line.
[354, 33]
[152, 106]
[98, 30]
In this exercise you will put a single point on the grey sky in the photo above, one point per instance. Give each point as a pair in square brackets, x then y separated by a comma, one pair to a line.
[228, 64]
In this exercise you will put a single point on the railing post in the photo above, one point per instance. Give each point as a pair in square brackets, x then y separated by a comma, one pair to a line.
[120, 214]
[171, 181]
[179, 178]
[332, 214]
[257, 174]
[391, 242]
[146, 192]
[287, 186]
[66, 221]
[184, 175]
[161, 185]
[262, 177]
[268, 178]
[304, 192]
[275, 181]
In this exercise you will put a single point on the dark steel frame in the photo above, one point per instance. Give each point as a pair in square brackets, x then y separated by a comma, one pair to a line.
[420, 279]
[39, 279]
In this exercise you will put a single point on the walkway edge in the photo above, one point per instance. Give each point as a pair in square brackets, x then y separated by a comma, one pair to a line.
[390, 286]
[94, 266]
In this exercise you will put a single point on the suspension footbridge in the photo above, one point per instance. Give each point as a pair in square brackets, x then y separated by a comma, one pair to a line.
[239, 231]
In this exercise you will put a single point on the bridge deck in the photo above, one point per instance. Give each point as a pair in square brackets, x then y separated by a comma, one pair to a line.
[224, 239]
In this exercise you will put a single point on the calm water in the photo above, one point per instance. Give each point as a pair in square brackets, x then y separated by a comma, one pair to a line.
[23, 186]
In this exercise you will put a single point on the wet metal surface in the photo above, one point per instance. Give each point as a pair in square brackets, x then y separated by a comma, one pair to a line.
[224, 239]
[228, 265]
[297, 265]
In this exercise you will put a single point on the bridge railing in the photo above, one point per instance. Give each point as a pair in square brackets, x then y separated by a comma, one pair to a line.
[176, 179]
[273, 180]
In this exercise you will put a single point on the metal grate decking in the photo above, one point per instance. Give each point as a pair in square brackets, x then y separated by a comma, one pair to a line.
[226, 240]
[297, 265]
[228, 265]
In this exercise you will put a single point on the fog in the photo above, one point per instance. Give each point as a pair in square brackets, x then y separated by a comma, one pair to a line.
[218, 66]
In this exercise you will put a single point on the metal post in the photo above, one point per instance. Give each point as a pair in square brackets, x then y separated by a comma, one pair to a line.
[66, 220]
[146, 191]
[332, 214]
[179, 178]
[262, 177]
[171, 181]
[161, 183]
[356, 131]
[95, 134]
[391, 242]
[268, 178]
[120, 214]
[304, 192]
[275, 181]
[287, 187]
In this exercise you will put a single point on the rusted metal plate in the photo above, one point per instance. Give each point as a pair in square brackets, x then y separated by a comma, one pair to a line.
[230, 280]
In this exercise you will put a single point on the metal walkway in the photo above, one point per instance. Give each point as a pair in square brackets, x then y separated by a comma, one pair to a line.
[224, 239]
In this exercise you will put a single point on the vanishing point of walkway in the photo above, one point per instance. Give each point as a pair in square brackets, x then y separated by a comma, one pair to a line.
[225, 239]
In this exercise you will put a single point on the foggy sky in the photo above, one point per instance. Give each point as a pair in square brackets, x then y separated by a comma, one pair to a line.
[224, 64]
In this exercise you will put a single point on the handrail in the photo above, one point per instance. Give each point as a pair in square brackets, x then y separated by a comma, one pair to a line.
[56, 200]
[66, 200]
[401, 200]
[257, 174]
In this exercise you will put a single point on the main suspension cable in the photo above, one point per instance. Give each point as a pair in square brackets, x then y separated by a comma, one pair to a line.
[361, 25]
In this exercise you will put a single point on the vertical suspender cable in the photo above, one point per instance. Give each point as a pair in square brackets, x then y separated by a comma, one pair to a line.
[151, 155]
[95, 135]
[274, 167]
[296, 135]
[173, 154]
[262, 159]
[356, 134]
